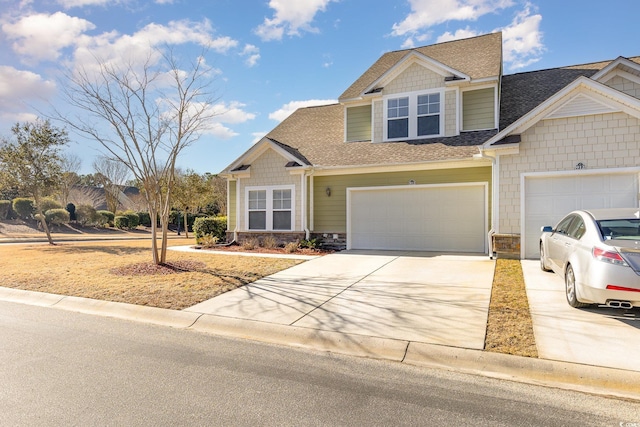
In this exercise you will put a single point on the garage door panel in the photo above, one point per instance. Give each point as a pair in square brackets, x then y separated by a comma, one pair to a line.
[548, 199]
[450, 218]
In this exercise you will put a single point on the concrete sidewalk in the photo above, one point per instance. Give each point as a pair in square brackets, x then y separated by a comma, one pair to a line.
[426, 297]
[595, 336]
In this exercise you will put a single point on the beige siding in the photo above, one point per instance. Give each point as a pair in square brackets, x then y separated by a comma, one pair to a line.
[377, 121]
[478, 109]
[269, 170]
[330, 214]
[359, 123]
[231, 204]
[598, 141]
[450, 127]
[414, 78]
[625, 85]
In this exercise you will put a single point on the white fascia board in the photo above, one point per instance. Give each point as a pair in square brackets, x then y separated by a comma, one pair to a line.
[621, 60]
[409, 59]
[404, 167]
[620, 100]
[257, 150]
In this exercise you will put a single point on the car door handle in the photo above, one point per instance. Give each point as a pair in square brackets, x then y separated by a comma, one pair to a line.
[567, 244]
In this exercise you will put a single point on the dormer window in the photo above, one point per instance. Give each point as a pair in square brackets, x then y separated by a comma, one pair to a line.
[413, 116]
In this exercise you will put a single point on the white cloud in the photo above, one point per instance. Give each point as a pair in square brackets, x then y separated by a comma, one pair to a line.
[68, 4]
[20, 84]
[462, 33]
[427, 13]
[290, 17]
[42, 37]
[226, 114]
[18, 88]
[522, 39]
[257, 136]
[252, 54]
[287, 109]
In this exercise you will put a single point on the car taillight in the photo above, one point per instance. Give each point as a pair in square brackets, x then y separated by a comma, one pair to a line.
[612, 257]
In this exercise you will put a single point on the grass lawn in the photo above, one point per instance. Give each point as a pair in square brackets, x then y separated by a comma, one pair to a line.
[509, 327]
[121, 271]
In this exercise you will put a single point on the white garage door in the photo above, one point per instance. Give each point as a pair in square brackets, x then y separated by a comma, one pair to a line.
[548, 199]
[427, 218]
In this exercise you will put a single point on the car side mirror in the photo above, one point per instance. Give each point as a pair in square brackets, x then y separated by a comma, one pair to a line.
[547, 229]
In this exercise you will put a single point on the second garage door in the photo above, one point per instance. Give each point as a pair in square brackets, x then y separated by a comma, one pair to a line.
[423, 218]
[548, 198]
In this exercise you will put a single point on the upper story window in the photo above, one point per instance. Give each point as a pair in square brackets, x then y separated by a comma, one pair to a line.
[413, 116]
[398, 118]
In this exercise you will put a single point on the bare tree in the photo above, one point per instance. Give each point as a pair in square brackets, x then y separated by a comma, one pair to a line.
[144, 115]
[112, 176]
[70, 167]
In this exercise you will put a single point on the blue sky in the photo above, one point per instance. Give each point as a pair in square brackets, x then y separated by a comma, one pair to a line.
[274, 56]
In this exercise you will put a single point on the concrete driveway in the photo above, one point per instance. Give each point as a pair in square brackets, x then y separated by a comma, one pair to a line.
[425, 297]
[594, 336]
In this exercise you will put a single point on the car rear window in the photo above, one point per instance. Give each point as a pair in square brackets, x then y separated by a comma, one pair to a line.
[620, 228]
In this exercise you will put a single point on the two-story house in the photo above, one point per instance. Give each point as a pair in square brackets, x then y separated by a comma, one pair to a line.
[434, 149]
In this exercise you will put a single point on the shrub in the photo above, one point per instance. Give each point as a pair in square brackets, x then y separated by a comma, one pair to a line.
[311, 243]
[5, 207]
[145, 219]
[87, 214]
[212, 226]
[71, 208]
[106, 217]
[121, 222]
[57, 216]
[133, 218]
[208, 241]
[250, 243]
[269, 242]
[47, 203]
[291, 247]
[23, 207]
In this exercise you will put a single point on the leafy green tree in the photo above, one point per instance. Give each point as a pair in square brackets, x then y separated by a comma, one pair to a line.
[33, 163]
[190, 193]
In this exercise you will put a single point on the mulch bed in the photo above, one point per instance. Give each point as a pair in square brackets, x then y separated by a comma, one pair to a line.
[149, 268]
[261, 250]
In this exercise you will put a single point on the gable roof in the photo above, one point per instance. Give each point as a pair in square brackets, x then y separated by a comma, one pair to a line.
[523, 92]
[582, 89]
[477, 57]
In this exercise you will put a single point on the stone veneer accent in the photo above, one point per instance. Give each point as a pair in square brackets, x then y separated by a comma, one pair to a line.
[506, 246]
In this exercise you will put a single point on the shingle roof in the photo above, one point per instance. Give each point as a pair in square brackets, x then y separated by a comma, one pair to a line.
[523, 92]
[478, 57]
[318, 133]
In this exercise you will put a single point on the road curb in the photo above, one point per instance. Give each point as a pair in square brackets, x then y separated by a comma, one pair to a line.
[584, 378]
[565, 375]
[336, 342]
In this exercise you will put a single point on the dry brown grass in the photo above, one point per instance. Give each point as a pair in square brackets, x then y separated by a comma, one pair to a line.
[509, 328]
[92, 270]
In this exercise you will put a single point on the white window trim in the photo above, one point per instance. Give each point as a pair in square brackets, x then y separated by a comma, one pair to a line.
[269, 210]
[413, 114]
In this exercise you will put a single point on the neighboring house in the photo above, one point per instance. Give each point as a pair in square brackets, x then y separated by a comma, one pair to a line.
[434, 149]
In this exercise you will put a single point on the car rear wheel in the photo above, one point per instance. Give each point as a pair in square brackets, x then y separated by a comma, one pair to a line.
[543, 265]
[570, 287]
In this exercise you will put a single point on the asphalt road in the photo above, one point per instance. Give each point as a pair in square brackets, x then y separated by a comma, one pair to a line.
[65, 368]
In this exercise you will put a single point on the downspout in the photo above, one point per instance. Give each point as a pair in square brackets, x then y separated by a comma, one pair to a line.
[492, 230]
[235, 230]
[305, 195]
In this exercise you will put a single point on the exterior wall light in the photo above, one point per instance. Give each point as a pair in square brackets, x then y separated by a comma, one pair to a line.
[412, 182]
[328, 191]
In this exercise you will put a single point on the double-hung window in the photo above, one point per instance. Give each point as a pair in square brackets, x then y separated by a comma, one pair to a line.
[415, 115]
[270, 208]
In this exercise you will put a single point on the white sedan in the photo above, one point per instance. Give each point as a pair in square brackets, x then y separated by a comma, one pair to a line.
[597, 252]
